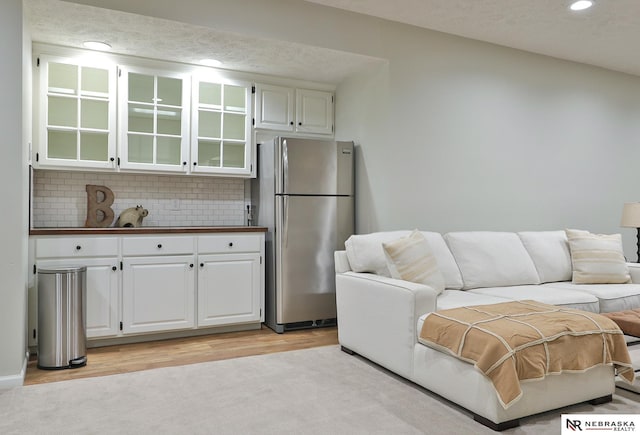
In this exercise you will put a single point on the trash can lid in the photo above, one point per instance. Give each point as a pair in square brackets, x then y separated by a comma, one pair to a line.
[62, 269]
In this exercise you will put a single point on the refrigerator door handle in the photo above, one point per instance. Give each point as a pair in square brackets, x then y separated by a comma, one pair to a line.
[285, 167]
[285, 219]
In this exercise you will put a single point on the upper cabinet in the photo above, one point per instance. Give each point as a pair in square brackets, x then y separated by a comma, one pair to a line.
[110, 112]
[312, 114]
[314, 111]
[154, 120]
[221, 127]
[77, 114]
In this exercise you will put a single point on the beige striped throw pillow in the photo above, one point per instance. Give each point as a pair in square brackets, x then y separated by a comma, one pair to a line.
[597, 258]
[410, 259]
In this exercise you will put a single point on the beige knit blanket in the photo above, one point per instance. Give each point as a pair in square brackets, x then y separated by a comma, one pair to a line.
[526, 340]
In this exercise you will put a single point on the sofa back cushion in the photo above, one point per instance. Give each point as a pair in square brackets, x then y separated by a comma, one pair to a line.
[491, 259]
[549, 251]
[365, 254]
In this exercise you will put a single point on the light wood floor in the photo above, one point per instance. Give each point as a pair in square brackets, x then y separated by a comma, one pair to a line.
[125, 358]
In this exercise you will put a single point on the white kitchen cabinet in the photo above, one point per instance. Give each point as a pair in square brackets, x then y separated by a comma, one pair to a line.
[230, 279]
[100, 256]
[274, 107]
[158, 283]
[153, 108]
[221, 127]
[158, 293]
[294, 110]
[76, 117]
[314, 111]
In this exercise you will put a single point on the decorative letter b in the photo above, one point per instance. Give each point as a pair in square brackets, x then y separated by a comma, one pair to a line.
[99, 212]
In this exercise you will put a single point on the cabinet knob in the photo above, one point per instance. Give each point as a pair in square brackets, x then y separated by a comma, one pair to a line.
[201, 264]
[291, 123]
[230, 244]
[78, 247]
[184, 163]
[112, 159]
[195, 163]
[191, 265]
[159, 245]
[299, 123]
[114, 268]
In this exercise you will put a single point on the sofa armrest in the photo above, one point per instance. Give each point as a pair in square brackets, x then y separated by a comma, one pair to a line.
[378, 316]
[634, 271]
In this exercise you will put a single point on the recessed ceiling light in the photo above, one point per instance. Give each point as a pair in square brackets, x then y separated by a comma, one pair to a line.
[97, 45]
[581, 5]
[210, 62]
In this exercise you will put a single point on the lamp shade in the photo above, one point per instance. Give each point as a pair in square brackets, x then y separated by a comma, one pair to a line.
[631, 215]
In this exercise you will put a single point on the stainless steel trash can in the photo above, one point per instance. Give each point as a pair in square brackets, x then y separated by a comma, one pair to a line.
[62, 337]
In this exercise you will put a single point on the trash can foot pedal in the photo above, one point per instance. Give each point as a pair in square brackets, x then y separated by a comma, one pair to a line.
[78, 362]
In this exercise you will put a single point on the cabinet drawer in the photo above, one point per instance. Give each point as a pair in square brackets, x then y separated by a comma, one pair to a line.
[59, 247]
[228, 243]
[161, 245]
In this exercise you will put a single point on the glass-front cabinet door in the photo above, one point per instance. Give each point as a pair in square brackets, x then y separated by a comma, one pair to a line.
[221, 127]
[154, 120]
[77, 114]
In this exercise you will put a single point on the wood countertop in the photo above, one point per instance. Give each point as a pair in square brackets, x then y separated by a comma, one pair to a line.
[143, 230]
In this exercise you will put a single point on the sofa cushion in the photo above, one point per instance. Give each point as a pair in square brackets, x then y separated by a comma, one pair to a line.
[611, 297]
[491, 259]
[549, 251]
[458, 298]
[365, 251]
[411, 259]
[597, 258]
[365, 254]
[542, 293]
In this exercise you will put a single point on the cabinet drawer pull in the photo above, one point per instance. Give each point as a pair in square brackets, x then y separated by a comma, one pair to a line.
[159, 245]
[78, 247]
[230, 244]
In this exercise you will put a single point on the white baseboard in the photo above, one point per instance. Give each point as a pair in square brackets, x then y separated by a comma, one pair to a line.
[12, 381]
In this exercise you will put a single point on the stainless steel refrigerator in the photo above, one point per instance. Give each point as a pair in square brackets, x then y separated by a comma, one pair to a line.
[304, 195]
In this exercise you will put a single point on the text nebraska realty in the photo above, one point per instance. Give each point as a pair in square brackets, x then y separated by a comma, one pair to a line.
[616, 426]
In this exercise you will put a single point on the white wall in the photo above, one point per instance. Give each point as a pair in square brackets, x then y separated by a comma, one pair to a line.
[13, 195]
[456, 134]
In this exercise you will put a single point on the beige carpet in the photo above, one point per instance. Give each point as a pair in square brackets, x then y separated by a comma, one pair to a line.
[316, 391]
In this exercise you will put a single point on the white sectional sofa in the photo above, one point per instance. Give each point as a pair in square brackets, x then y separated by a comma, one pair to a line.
[380, 317]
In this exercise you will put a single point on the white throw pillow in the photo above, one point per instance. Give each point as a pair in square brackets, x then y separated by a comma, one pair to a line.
[597, 258]
[410, 259]
[365, 252]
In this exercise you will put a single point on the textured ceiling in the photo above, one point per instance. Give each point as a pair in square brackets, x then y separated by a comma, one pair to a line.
[70, 24]
[606, 35]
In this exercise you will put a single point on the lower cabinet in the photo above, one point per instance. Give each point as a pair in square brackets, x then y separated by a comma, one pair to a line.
[102, 292]
[158, 293]
[228, 289]
[146, 284]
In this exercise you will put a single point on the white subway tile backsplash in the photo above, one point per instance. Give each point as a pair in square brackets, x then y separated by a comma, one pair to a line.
[60, 198]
